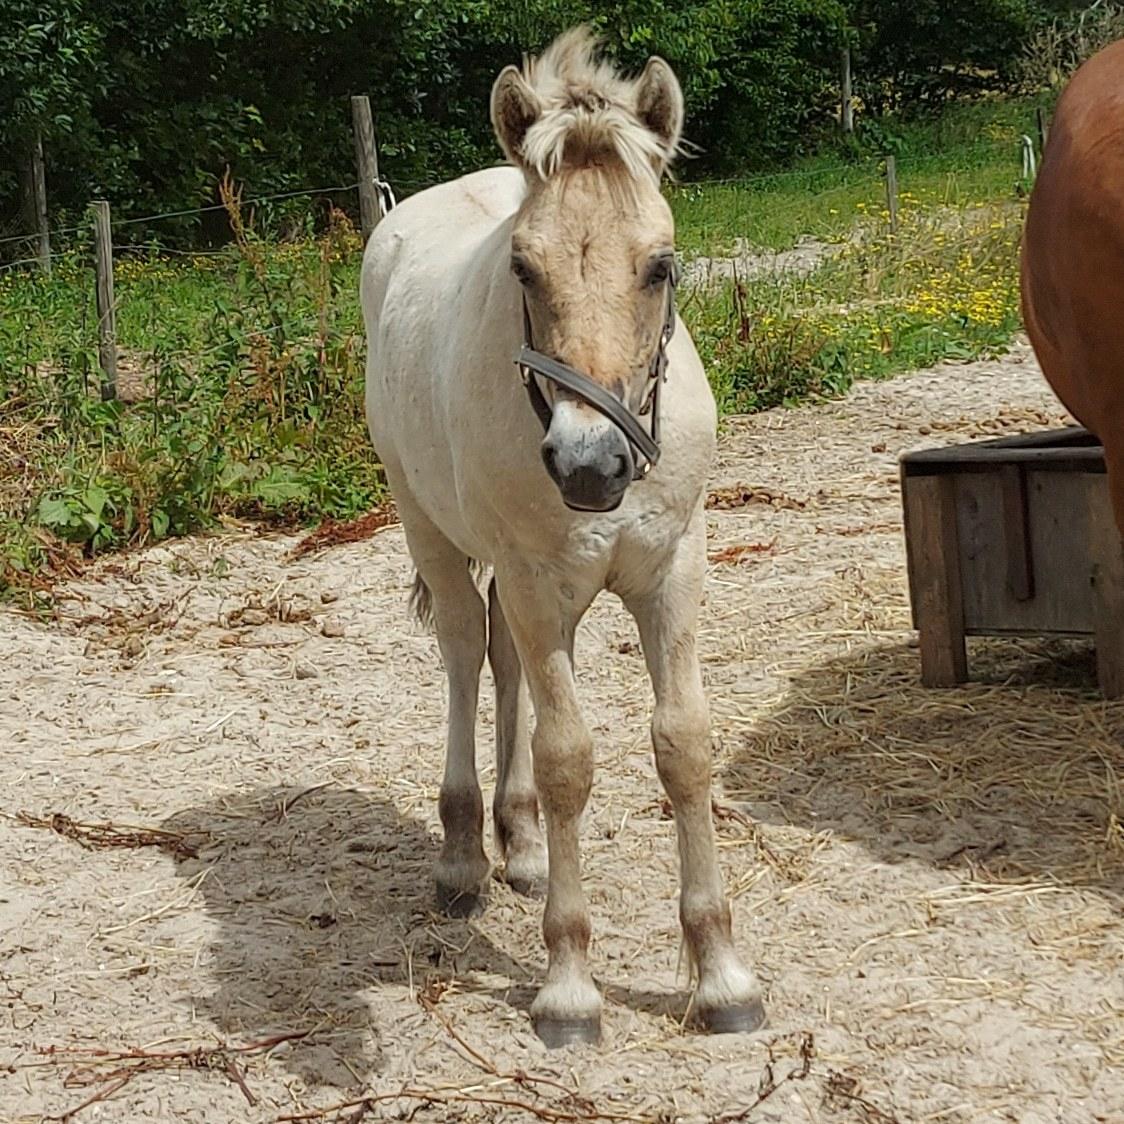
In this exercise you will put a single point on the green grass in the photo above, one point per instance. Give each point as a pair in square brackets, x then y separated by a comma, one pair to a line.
[253, 357]
[969, 156]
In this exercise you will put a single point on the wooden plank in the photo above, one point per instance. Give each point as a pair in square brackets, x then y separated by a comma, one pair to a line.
[107, 309]
[1016, 532]
[1055, 548]
[1070, 451]
[1106, 576]
[1073, 438]
[847, 115]
[933, 563]
[367, 163]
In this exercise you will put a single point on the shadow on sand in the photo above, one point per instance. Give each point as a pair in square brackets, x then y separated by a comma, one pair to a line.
[320, 897]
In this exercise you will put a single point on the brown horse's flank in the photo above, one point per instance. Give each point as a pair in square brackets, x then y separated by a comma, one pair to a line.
[1073, 257]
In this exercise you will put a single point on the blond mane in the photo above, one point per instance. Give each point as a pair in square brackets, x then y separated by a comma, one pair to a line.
[589, 111]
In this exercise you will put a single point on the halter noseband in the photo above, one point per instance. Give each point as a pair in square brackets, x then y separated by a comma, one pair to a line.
[645, 444]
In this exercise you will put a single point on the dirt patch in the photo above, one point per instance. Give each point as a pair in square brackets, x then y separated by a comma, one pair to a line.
[930, 883]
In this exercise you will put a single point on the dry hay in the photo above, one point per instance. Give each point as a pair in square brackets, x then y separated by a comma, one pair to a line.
[929, 883]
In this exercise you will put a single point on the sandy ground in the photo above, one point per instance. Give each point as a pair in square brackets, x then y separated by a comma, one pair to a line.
[930, 883]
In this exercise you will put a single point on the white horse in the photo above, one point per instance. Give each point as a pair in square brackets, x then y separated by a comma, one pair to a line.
[573, 247]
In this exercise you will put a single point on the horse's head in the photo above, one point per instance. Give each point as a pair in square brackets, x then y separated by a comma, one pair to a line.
[593, 248]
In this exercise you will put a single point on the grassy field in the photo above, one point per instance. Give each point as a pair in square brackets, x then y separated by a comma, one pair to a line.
[246, 364]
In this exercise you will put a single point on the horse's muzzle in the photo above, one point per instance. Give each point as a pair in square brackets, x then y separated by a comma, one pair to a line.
[592, 469]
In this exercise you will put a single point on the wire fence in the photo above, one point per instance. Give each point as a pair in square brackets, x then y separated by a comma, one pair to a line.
[964, 155]
[720, 220]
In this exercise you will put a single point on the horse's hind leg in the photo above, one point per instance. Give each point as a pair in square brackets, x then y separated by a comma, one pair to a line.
[446, 586]
[516, 807]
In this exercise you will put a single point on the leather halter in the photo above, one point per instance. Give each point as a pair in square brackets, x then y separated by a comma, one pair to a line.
[645, 444]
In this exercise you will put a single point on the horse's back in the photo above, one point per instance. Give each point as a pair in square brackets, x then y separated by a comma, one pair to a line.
[1073, 251]
[425, 289]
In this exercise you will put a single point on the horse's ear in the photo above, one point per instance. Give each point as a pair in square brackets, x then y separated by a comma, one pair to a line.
[659, 105]
[515, 108]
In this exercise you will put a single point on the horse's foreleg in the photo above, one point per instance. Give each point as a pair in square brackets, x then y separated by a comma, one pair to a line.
[567, 1008]
[516, 807]
[458, 617]
[728, 996]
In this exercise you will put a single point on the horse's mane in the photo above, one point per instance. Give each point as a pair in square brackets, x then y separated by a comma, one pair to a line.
[589, 110]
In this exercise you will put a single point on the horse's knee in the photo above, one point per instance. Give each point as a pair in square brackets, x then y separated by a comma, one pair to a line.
[563, 761]
[681, 741]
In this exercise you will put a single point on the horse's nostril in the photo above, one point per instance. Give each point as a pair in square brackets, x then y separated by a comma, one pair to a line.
[549, 455]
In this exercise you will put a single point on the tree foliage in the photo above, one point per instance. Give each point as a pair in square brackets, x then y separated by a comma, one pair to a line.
[147, 102]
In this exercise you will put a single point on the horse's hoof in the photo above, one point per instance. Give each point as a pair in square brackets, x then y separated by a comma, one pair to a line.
[741, 1018]
[556, 1033]
[454, 902]
[527, 887]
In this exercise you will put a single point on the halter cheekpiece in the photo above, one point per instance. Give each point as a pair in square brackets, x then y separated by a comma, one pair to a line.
[645, 444]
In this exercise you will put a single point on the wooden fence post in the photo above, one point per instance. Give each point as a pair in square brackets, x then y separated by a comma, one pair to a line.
[892, 191]
[367, 161]
[848, 107]
[107, 312]
[39, 205]
[1043, 130]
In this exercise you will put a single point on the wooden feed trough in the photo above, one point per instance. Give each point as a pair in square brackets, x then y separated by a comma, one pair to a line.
[1013, 537]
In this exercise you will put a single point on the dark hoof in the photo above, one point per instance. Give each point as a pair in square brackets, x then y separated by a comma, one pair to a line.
[459, 903]
[740, 1019]
[557, 1033]
[528, 887]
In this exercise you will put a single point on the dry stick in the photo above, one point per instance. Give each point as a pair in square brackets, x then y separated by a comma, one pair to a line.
[768, 1084]
[431, 1097]
[95, 836]
[584, 1111]
[149, 1061]
[841, 1086]
[520, 1077]
[102, 1094]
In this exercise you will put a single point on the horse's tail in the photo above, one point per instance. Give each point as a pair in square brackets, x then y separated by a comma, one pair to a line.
[421, 602]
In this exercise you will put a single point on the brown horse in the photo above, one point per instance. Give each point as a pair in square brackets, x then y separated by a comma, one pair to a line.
[1073, 258]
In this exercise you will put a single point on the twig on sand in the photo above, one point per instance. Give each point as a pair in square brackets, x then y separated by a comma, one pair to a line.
[571, 1108]
[103, 836]
[842, 1087]
[129, 1064]
[769, 1084]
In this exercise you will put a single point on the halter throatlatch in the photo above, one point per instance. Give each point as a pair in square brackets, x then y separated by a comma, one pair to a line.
[645, 444]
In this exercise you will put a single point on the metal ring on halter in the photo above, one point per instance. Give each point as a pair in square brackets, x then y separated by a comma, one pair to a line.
[645, 444]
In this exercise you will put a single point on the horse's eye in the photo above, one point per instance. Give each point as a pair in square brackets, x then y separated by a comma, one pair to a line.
[659, 271]
[523, 273]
